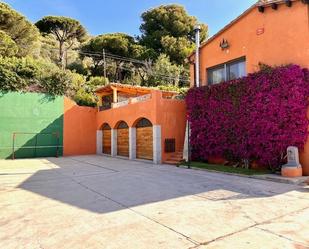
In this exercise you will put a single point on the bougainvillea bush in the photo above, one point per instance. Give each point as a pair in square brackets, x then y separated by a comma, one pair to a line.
[253, 118]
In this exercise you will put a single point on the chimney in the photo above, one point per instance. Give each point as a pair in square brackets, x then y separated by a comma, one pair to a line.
[197, 30]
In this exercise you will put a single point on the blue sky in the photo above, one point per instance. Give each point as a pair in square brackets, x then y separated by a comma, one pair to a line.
[105, 16]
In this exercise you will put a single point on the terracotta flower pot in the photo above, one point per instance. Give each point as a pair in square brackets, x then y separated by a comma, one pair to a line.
[216, 160]
[256, 165]
[292, 172]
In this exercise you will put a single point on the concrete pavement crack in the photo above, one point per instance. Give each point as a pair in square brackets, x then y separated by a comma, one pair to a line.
[196, 243]
[136, 212]
[95, 165]
[248, 227]
[232, 205]
[282, 236]
[132, 210]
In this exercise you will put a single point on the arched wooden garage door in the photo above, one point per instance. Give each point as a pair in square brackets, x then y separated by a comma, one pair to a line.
[123, 139]
[107, 139]
[144, 139]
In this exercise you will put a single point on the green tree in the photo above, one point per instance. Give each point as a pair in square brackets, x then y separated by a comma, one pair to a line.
[7, 46]
[49, 48]
[177, 49]
[163, 72]
[20, 30]
[116, 46]
[116, 43]
[79, 67]
[169, 29]
[67, 32]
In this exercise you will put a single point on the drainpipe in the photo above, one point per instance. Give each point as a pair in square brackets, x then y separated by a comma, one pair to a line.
[197, 30]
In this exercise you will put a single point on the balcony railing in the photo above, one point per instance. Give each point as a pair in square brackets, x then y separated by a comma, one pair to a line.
[120, 104]
[140, 98]
[134, 100]
[104, 107]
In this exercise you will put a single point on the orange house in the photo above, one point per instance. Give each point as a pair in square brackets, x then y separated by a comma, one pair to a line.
[270, 32]
[140, 123]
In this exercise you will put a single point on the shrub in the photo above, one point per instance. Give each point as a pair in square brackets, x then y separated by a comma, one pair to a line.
[84, 94]
[56, 83]
[84, 98]
[16, 74]
[7, 46]
[256, 117]
[94, 82]
[28, 74]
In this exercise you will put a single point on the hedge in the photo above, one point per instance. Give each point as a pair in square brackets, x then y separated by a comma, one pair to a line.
[254, 118]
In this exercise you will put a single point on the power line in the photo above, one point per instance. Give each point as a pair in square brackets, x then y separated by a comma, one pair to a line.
[127, 59]
[157, 75]
[180, 78]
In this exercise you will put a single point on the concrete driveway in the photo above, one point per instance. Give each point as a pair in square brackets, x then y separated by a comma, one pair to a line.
[102, 202]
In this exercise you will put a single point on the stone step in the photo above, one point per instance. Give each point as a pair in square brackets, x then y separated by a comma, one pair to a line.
[171, 162]
[178, 152]
[175, 158]
[173, 155]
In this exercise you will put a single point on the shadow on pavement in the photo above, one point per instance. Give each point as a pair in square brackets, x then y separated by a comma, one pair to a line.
[104, 184]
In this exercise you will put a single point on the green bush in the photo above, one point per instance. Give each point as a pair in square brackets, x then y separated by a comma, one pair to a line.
[22, 74]
[95, 82]
[84, 98]
[78, 67]
[7, 45]
[85, 92]
[16, 74]
[57, 83]
[182, 91]
[10, 80]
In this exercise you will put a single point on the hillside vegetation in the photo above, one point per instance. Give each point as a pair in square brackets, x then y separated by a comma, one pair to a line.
[56, 55]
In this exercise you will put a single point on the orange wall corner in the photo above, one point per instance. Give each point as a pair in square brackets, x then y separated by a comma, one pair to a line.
[79, 129]
[172, 117]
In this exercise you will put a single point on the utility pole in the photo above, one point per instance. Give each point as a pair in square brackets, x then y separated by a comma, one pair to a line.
[104, 63]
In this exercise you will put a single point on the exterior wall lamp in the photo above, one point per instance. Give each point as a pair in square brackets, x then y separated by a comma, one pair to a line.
[224, 44]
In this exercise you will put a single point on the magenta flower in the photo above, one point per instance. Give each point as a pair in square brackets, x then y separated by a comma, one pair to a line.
[256, 117]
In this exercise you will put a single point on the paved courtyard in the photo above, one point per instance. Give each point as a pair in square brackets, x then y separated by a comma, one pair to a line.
[102, 202]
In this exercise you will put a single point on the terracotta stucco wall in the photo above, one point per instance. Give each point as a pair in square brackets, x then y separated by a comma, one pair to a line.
[274, 37]
[170, 114]
[172, 117]
[130, 113]
[79, 131]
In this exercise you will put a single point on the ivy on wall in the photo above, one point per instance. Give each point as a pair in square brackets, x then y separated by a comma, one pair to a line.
[254, 118]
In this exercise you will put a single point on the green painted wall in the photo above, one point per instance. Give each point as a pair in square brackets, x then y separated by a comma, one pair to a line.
[30, 113]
